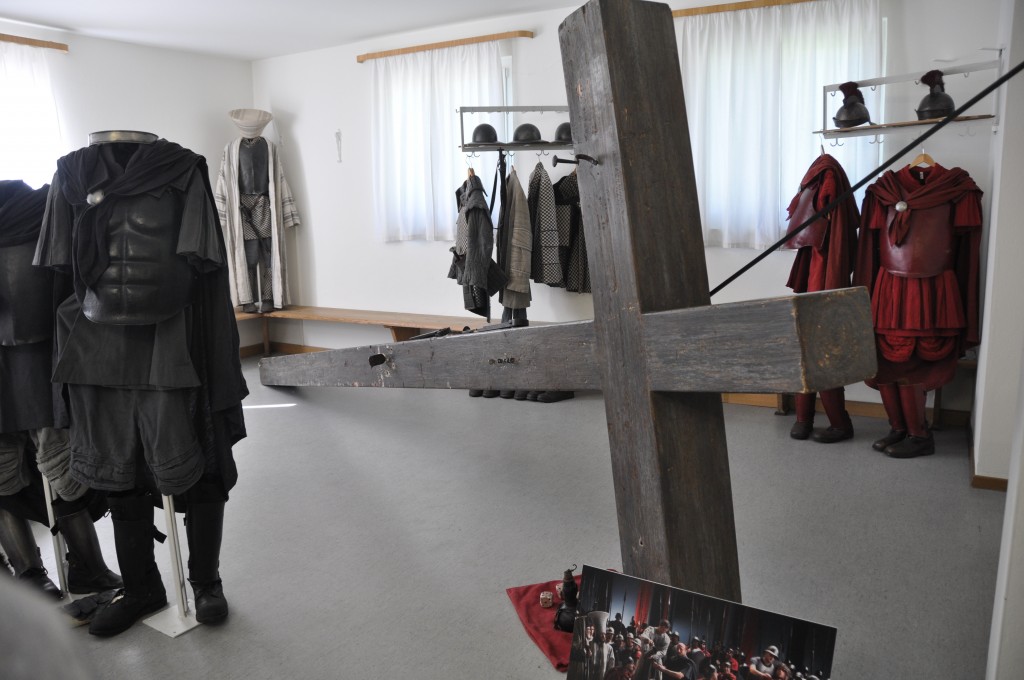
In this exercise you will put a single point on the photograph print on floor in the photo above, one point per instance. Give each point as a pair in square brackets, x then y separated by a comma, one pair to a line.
[631, 628]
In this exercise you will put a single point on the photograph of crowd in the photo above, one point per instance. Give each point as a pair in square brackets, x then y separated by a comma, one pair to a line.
[631, 628]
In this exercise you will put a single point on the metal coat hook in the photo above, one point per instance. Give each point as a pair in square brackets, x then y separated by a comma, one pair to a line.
[579, 157]
[836, 142]
[877, 140]
[543, 152]
[832, 93]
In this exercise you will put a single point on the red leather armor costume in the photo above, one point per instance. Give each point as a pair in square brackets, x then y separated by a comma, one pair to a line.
[824, 261]
[919, 256]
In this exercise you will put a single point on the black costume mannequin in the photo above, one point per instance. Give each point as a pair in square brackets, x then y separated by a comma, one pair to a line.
[148, 350]
[33, 417]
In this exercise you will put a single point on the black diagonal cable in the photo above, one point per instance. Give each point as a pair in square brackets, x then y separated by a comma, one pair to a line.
[839, 199]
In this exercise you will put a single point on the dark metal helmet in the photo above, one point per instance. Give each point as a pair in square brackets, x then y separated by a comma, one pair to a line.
[563, 133]
[852, 112]
[936, 104]
[484, 134]
[526, 134]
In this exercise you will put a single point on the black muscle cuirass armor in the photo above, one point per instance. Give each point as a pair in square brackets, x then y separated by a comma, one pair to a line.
[812, 235]
[146, 281]
[927, 249]
[253, 167]
[25, 297]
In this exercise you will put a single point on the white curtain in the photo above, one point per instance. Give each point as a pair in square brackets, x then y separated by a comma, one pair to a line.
[30, 139]
[417, 163]
[753, 83]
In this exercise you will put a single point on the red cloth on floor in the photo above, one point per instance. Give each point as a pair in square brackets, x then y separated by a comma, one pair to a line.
[540, 622]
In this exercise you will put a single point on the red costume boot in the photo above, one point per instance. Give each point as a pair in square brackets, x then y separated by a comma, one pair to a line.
[919, 440]
[894, 410]
[804, 416]
[840, 426]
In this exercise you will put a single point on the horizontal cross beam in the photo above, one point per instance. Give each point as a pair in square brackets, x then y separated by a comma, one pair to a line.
[800, 343]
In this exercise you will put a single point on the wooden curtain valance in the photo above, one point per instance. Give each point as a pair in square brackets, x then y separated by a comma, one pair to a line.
[733, 6]
[448, 43]
[32, 42]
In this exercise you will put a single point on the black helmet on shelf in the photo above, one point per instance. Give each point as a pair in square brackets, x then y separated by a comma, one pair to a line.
[527, 133]
[485, 134]
[936, 104]
[853, 112]
[563, 133]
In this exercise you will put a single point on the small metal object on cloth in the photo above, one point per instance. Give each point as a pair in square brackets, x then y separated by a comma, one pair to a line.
[901, 206]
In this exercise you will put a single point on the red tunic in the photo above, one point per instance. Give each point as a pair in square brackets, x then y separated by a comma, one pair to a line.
[828, 265]
[923, 324]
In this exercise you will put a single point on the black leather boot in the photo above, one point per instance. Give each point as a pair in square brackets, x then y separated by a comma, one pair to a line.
[804, 424]
[890, 393]
[20, 545]
[204, 526]
[143, 592]
[87, 570]
[919, 441]
[840, 426]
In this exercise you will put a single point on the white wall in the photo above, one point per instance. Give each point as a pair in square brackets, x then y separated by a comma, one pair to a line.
[109, 85]
[999, 400]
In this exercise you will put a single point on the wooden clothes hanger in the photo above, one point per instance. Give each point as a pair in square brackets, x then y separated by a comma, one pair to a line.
[922, 159]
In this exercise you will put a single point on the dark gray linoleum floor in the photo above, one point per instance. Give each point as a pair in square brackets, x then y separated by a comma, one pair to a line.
[373, 533]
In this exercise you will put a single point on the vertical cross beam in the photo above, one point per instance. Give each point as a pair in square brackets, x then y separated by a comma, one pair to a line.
[646, 252]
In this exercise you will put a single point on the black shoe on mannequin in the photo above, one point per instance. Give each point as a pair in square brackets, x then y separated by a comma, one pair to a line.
[204, 525]
[20, 545]
[87, 570]
[143, 592]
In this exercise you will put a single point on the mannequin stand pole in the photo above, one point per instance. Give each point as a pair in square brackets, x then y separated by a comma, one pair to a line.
[180, 618]
[58, 540]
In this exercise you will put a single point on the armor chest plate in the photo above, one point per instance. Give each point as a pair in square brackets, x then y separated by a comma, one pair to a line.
[146, 281]
[927, 249]
[816, 232]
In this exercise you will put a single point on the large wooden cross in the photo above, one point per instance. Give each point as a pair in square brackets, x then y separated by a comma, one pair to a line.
[656, 348]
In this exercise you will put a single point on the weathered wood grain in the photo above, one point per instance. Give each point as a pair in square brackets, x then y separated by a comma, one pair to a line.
[646, 254]
[791, 344]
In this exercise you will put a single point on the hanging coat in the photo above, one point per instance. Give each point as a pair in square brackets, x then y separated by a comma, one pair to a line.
[472, 264]
[546, 266]
[516, 234]
[826, 248]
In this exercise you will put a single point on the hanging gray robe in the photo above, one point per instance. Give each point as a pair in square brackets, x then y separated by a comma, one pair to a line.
[283, 215]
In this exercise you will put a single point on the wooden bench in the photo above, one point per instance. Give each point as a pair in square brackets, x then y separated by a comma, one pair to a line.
[401, 324]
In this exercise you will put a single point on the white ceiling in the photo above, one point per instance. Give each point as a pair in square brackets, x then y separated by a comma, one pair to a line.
[257, 29]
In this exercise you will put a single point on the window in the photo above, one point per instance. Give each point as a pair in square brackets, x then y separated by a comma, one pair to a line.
[417, 163]
[753, 82]
[29, 132]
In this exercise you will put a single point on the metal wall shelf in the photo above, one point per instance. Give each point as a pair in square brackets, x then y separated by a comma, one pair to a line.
[509, 147]
[828, 91]
[881, 128]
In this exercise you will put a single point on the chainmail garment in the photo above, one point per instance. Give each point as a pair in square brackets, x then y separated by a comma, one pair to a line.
[255, 211]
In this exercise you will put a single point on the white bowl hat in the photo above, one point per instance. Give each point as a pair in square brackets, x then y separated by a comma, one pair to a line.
[250, 121]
